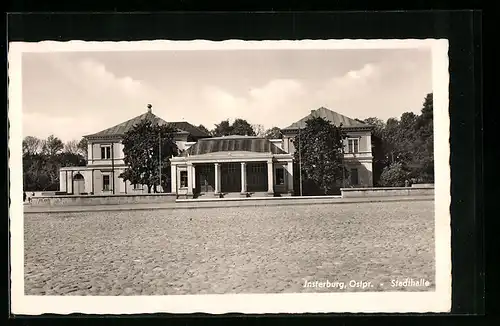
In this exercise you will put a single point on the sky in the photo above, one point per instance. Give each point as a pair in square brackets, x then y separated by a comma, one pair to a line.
[72, 94]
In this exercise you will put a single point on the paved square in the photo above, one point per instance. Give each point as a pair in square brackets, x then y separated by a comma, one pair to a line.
[266, 249]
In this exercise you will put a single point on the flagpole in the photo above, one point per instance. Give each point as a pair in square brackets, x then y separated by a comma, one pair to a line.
[113, 165]
[300, 163]
[159, 158]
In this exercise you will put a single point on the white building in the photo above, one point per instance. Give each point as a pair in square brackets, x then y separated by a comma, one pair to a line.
[218, 165]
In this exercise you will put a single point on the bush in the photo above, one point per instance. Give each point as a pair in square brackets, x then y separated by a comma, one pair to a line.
[394, 175]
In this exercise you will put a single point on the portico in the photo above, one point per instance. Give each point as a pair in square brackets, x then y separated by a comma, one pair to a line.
[234, 164]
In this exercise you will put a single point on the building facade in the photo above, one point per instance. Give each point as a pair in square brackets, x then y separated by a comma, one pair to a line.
[358, 156]
[105, 161]
[218, 166]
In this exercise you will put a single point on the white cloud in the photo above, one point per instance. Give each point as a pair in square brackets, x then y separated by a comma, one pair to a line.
[85, 96]
[257, 105]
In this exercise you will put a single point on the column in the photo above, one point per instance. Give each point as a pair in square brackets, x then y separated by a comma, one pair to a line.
[190, 178]
[243, 177]
[270, 179]
[194, 176]
[217, 178]
[290, 176]
[173, 178]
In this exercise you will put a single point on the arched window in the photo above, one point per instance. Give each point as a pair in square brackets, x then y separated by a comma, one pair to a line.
[78, 176]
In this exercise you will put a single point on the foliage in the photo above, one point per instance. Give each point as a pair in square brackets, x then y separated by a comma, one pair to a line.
[143, 157]
[273, 133]
[83, 147]
[42, 160]
[319, 149]
[32, 145]
[242, 127]
[224, 128]
[238, 127]
[408, 141]
[204, 129]
[394, 175]
[52, 146]
[378, 150]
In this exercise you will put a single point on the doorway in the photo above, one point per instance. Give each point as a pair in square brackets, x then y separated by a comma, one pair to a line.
[231, 177]
[78, 184]
[205, 178]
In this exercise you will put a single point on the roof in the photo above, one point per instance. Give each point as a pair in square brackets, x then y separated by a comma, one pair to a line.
[124, 127]
[333, 117]
[233, 143]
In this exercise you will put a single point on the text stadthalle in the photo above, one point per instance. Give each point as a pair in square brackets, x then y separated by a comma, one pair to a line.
[409, 282]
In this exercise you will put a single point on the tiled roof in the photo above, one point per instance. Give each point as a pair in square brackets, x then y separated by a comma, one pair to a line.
[233, 144]
[122, 128]
[333, 117]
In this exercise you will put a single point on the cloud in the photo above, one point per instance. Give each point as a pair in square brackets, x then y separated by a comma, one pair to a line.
[257, 104]
[94, 76]
[78, 95]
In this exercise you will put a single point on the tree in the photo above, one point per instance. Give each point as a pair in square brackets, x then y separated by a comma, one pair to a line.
[143, 157]
[319, 149]
[52, 146]
[71, 147]
[224, 128]
[394, 175]
[31, 145]
[203, 128]
[424, 155]
[259, 130]
[238, 127]
[273, 133]
[70, 159]
[83, 148]
[242, 127]
[378, 147]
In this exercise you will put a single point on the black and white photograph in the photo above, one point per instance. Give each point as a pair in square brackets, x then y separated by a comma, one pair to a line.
[233, 176]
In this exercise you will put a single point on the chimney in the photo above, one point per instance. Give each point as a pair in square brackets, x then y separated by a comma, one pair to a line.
[150, 108]
[312, 111]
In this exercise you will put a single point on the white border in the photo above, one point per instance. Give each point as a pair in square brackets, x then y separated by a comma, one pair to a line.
[438, 301]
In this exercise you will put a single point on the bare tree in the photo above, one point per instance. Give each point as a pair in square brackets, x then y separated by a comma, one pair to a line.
[259, 130]
[72, 147]
[32, 145]
[83, 147]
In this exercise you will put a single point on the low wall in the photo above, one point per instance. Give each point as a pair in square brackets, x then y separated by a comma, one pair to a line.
[423, 185]
[90, 200]
[386, 192]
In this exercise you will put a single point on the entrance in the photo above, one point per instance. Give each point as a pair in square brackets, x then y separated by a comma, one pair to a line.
[78, 184]
[231, 177]
[256, 177]
[205, 178]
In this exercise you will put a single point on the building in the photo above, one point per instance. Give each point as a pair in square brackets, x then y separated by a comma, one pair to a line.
[216, 166]
[105, 160]
[358, 157]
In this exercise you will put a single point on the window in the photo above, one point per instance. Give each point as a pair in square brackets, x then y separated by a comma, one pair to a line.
[353, 145]
[354, 177]
[280, 176]
[137, 187]
[105, 183]
[105, 152]
[258, 168]
[184, 179]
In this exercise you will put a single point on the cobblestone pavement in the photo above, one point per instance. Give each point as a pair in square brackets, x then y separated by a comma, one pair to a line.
[229, 250]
